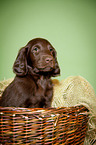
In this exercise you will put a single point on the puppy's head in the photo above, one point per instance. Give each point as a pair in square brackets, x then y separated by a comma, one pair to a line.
[38, 55]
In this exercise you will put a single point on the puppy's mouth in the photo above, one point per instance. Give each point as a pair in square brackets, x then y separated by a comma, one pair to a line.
[45, 69]
[42, 69]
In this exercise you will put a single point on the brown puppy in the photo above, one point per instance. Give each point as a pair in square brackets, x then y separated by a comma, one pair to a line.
[32, 86]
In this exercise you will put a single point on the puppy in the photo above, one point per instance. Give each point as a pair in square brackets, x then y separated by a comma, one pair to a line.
[32, 87]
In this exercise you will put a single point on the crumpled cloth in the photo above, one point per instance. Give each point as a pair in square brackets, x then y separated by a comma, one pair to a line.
[75, 90]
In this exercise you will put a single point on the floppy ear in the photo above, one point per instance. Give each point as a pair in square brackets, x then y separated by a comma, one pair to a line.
[20, 64]
[57, 69]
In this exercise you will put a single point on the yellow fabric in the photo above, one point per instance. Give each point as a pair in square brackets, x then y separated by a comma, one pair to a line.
[74, 90]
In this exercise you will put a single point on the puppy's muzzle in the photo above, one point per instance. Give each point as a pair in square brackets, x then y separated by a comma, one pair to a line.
[46, 61]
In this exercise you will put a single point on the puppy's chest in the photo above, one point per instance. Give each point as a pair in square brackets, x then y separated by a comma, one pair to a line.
[44, 85]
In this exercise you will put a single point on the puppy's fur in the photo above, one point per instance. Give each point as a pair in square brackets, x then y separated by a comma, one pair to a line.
[32, 86]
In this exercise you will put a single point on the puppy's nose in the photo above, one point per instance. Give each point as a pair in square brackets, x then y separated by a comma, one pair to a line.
[49, 60]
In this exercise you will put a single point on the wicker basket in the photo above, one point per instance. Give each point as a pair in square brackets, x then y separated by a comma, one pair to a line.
[66, 126]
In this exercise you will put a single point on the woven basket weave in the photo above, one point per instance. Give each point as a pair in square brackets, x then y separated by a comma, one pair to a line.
[66, 126]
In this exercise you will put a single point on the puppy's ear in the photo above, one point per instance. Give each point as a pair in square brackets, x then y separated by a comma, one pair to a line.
[57, 69]
[20, 64]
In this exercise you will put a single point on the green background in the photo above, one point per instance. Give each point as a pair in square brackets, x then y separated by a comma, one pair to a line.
[70, 25]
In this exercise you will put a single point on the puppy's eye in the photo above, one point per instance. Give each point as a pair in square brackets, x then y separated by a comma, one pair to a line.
[51, 49]
[36, 49]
